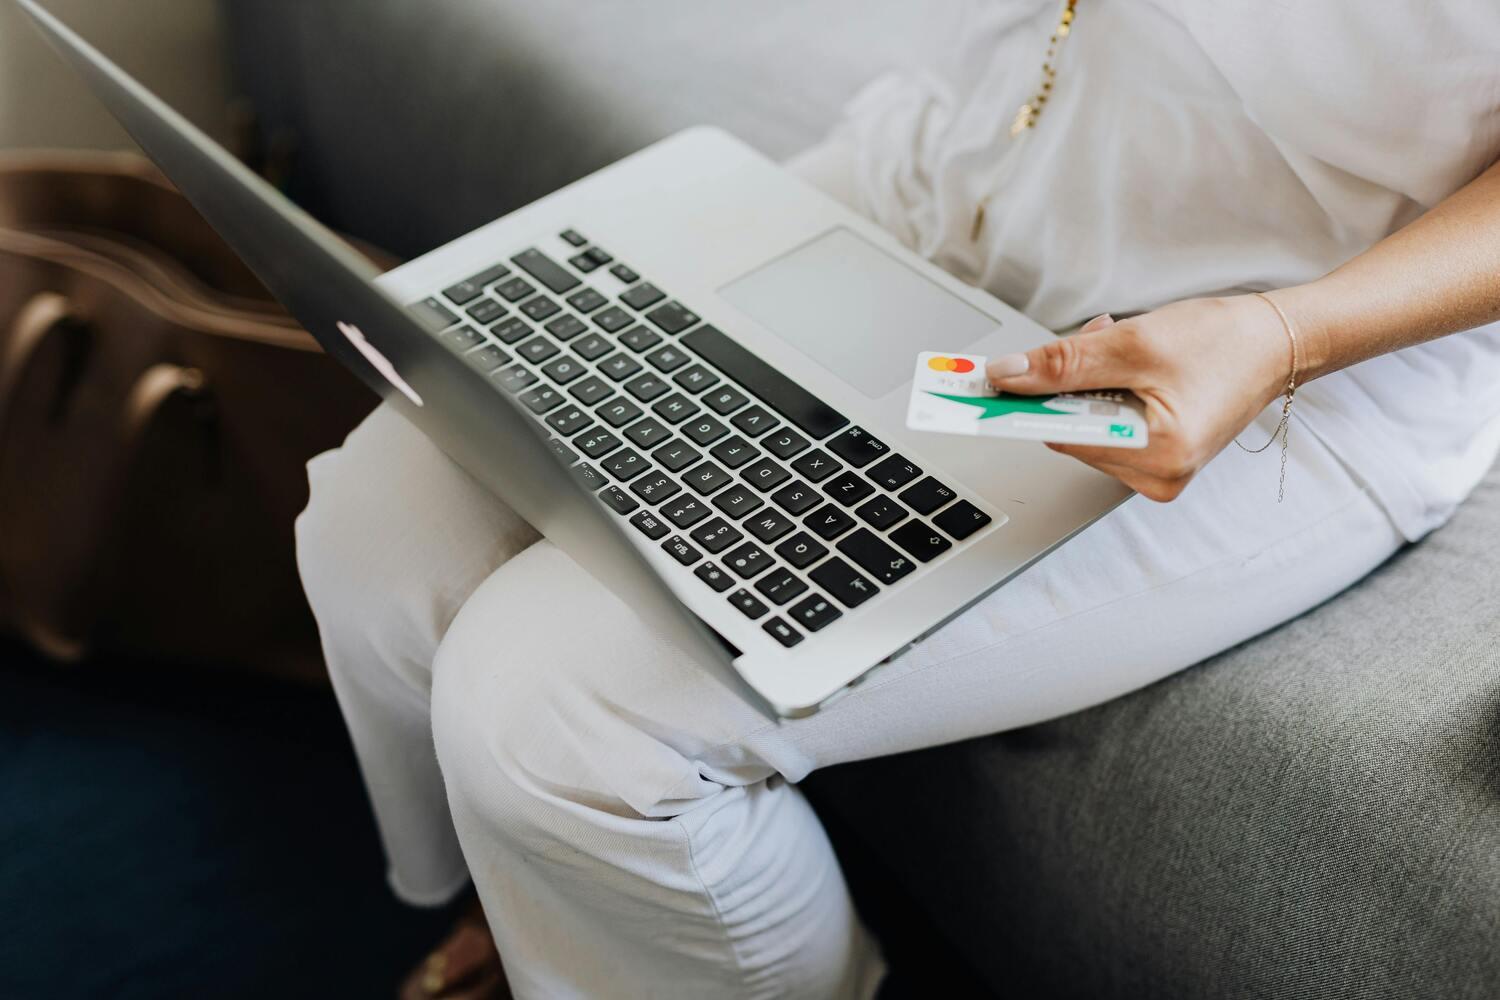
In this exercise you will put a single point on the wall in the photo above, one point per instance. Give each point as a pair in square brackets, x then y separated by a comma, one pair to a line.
[174, 46]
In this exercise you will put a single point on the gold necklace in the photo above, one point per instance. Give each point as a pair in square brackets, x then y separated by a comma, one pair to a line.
[1028, 113]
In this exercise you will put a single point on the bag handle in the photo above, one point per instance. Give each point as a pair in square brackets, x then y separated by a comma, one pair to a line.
[45, 316]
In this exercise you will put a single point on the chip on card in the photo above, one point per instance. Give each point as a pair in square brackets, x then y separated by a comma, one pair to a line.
[951, 395]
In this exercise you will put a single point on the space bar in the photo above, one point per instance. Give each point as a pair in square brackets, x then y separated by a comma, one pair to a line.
[783, 395]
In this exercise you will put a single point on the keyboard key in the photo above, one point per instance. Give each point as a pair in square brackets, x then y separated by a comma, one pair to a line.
[782, 632]
[546, 270]
[462, 338]
[695, 378]
[650, 525]
[921, 541]
[738, 501]
[784, 443]
[586, 300]
[619, 366]
[597, 443]
[540, 307]
[598, 255]
[857, 447]
[462, 293]
[707, 478]
[511, 330]
[486, 311]
[676, 408]
[961, 520]
[587, 476]
[487, 358]
[717, 535]
[875, 557]
[541, 399]
[515, 289]
[647, 433]
[749, 560]
[894, 472]
[583, 262]
[639, 338]
[564, 370]
[715, 577]
[815, 466]
[618, 500]
[647, 387]
[848, 489]
[592, 347]
[618, 412]
[538, 349]
[754, 421]
[625, 465]
[769, 524]
[848, 586]
[667, 359]
[684, 510]
[927, 496]
[828, 522]
[573, 237]
[489, 275]
[725, 400]
[625, 274]
[734, 451]
[612, 320]
[796, 497]
[815, 418]
[681, 550]
[814, 613]
[676, 456]
[562, 451]
[565, 327]
[515, 379]
[748, 603]
[673, 317]
[704, 430]
[591, 390]
[643, 296]
[765, 475]
[570, 420]
[432, 314]
[881, 512]
[655, 488]
[801, 550]
[780, 586]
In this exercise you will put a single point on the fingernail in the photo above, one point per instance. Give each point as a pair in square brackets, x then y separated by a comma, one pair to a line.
[1007, 365]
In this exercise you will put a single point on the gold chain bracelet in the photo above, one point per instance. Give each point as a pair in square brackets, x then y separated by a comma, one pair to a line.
[1284, 426]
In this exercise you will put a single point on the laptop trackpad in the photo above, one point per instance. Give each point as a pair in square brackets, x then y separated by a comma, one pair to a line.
[856, 310]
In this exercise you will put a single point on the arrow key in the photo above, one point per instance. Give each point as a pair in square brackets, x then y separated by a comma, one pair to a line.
[921, 540]
[875, 557]
[844, 582]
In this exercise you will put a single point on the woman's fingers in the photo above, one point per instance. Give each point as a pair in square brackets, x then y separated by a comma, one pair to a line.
[1097, 323]
[1107, 460]
[1105, 357]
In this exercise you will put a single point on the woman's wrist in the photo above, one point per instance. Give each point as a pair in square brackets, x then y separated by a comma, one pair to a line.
[1312, 311]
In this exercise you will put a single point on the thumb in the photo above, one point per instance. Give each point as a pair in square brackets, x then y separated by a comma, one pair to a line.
[1089, 359]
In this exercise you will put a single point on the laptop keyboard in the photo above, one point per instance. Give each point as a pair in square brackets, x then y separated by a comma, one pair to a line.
[767, 494]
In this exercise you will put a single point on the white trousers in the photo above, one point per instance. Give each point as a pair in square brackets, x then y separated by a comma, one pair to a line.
[629, 822]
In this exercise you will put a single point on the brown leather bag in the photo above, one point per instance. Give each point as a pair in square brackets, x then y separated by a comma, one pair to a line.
[157, 409]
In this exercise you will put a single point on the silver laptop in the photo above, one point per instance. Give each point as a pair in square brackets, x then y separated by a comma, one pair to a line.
[690, 371]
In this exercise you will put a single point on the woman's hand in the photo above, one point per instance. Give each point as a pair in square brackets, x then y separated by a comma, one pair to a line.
[1204, 368]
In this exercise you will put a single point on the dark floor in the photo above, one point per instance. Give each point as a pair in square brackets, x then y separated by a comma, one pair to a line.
[172, 835]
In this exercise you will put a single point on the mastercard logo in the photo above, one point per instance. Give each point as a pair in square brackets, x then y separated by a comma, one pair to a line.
[959, 365]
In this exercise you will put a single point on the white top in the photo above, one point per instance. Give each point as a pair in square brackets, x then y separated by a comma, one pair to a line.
[1195, 149]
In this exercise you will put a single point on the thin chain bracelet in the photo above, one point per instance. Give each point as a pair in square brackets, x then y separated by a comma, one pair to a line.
[1284, 426]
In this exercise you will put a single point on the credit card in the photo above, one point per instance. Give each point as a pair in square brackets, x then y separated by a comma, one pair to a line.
[950, 395]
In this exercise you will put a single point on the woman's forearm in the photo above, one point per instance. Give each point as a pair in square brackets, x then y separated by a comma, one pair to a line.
[1439, 275]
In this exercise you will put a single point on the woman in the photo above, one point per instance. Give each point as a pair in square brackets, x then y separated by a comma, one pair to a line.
[624, 817]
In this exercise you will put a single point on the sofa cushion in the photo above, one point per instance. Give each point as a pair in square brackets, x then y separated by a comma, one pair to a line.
[1313, 813]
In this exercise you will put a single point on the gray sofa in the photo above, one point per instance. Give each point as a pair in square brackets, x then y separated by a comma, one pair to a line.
[1314, 813]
